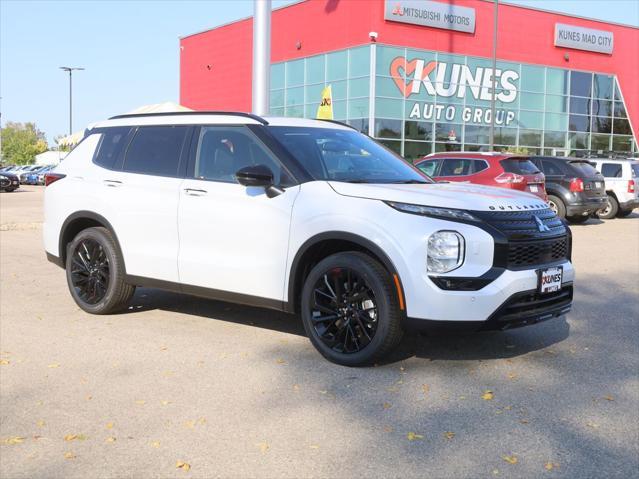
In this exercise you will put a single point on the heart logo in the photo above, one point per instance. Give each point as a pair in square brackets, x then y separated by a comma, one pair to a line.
[396, 67]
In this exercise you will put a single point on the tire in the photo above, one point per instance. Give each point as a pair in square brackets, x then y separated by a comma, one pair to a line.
[610, 211]
[373, 321]
[624, 213]
[557, 205]
[95, 272]
[578, 219]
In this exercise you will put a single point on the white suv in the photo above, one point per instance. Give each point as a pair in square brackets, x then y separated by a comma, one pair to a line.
[621, 176]
[303, 216]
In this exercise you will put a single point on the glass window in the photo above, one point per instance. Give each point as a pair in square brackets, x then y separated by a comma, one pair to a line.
[295, 73]
[579, 123]
[602, 107]
[580, 83]
[603, 86]
[621, 127]
[583, 167]
[611, 170]
[418, 130]
[414, 150]
[456, 167]
[360, 123]
[313, 93]
[387, 108]
[388, 128]
[448, 132]
[506, 136]
[556, 81]
[476, 134]
[429, 166]
[358, 87]
[531, 101]
[110, 146]
[276, 98]
[531, 119]
[601, 124]
[339, 110]
[555, 121]
[358, 108]
[385, 57]
[385, 86]
[339, 90]
[521, 166]
[600, 142]
[532, 78]
[345, 155]
[620, 110]
[555, 139]
[623, 143]
[580, 106]
[444, 147]
[155, 150]
[530, 137]
[277, 75]
[556, 103]
[277, 111]
[617, 92]
[578, 141]
[359, 62]
[551, 168]
[336, 66]
[222, 151]
[295, 96]
[468, 147]
[315, 69]
[295, 111]
[395, 146]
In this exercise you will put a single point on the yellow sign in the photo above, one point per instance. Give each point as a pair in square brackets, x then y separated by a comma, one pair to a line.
[325, 109]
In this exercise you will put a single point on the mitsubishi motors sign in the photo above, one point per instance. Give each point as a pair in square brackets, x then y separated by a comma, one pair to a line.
[431, 14]
[443, 80]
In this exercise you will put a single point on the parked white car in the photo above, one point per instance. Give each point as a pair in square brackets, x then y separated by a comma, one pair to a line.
[303, 216]
[621, 176]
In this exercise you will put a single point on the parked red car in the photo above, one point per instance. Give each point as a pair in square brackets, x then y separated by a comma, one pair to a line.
[493, 169]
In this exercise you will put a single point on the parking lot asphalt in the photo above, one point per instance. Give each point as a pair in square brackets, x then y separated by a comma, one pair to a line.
[186, 387]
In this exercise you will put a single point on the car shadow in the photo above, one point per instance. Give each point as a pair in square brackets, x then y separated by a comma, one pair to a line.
[430, 346]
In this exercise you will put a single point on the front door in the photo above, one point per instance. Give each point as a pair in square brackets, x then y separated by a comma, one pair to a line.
[233, 238]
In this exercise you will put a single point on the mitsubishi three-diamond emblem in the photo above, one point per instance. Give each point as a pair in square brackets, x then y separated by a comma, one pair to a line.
[540, 225]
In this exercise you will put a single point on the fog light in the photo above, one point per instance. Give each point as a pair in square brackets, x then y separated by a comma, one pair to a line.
[445, 251]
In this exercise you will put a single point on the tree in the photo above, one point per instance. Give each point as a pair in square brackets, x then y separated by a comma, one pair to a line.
[21, 142]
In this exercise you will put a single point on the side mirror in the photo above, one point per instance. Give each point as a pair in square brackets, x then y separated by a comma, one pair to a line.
[258, 176]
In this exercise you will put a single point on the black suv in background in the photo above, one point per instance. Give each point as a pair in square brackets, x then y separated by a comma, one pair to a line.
[575, 188]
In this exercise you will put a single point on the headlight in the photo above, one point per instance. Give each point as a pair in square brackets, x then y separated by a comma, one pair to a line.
[445, 251]
[444, 213]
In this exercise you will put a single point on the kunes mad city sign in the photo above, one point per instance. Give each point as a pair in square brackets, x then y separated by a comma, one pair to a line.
[448, 80]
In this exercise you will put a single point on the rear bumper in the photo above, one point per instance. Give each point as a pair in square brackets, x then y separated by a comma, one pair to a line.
[585, 207]
[520, 309]
[629, 205]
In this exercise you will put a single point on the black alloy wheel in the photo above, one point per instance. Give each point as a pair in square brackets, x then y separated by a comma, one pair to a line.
[344, 310]
[90, 271]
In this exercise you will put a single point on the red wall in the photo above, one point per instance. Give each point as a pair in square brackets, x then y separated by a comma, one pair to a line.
[525, 36]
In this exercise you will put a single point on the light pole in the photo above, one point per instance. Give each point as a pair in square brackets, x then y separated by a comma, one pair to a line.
[261, 56]
[492, 98]
[70, 70]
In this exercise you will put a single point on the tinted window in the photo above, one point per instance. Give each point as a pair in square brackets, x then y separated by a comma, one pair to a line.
[345, 155]
[222, 151]
[110, 146]
[429, 167]
[584, 168]
[155, 150]
[551, 168]
[611, 170]
[479, 165]
[519, 166]
[456, 167]
[635, 170]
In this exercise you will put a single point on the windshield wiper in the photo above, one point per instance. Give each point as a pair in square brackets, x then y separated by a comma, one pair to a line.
[410, 182]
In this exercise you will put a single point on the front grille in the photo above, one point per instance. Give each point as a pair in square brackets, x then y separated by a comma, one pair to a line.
[522, 224]
[526, 254]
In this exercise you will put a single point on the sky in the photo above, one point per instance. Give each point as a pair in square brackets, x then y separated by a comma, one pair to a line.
[129, 50]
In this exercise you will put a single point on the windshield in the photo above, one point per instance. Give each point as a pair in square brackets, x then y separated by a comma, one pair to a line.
[584, 168]
[332, 154]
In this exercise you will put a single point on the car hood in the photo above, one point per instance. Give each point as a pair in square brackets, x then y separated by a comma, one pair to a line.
[447, 195]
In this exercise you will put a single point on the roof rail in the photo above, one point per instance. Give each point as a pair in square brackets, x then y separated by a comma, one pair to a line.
[337, 122]
[174, 113]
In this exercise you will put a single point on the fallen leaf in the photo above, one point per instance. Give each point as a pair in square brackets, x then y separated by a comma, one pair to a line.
[54, 365]
[165, 403]
[109, 425]
[313, 446]
[69, 455]
[4, 362]
[386, 405]
[510, 459]
[425, 388]
[202, 421]
[185, 466]
[449, 435]
[323, 392]
[523, 421]
[551, 465]
[263, 446]
[487, 396]
[609, 398]
[388, 429]
[40, 423]
[190, 424]
[412, 436]
[163, 348]
[155, 444]
[280, 361]
[593, 425]
[74, 437]
[110, 439]
[496, 472]
[512, 376]
[296, 387]
[140, 402]
[13, 440]
[89, 398]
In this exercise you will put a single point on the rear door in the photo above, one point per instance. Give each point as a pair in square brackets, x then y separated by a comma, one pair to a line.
[613, 177]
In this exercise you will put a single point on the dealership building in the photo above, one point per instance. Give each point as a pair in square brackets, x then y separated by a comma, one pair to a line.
[418, 75]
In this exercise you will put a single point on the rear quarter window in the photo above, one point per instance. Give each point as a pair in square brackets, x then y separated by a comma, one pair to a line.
[635, 170]
[110, 146]
[611, 170]
[520, 166]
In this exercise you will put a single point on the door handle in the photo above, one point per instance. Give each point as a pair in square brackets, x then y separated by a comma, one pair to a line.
[113, 183]
[195, 192]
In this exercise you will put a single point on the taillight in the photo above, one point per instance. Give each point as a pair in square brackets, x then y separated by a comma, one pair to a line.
[52, 178]
[631, 186]
[510, 178]
[576, 185]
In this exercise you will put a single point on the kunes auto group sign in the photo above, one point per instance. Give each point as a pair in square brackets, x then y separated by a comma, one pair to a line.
[454, 80]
